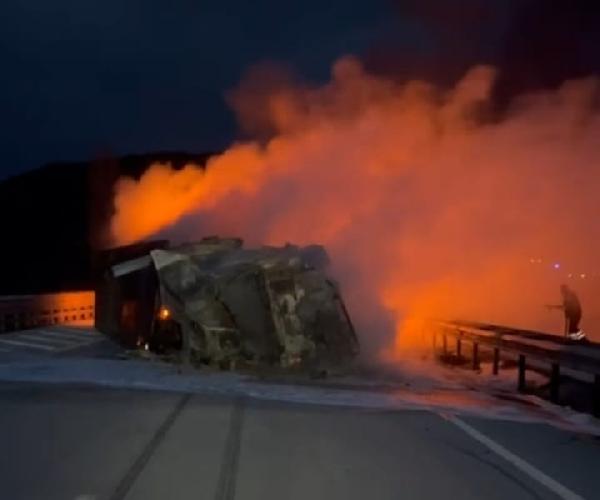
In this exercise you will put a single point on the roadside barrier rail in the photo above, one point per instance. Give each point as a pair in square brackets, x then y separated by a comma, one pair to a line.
[553, 350]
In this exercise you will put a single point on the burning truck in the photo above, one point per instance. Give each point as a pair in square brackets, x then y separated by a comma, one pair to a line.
[218, 303]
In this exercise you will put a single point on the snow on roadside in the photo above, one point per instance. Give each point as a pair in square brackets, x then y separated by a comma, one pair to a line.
[417, 392]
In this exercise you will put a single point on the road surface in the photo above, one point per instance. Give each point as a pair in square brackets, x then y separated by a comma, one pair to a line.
[69, 441]
[54, 341]
[80, 442]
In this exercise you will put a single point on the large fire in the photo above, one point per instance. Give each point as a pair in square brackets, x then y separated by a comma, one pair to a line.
[427, 205]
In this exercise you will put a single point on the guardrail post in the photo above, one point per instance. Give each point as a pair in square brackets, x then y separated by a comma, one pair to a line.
[496, 363]
[475, 356]
[554, 382]
[596, 409]
[522, 367]
[445, 344]
[458, 347]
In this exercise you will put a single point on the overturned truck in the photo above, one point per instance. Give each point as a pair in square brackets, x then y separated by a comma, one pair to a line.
[221, 304]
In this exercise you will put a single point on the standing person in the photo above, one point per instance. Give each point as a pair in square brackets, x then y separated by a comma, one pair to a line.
[572, 310]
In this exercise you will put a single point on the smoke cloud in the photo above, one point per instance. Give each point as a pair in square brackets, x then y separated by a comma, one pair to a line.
[427, 207]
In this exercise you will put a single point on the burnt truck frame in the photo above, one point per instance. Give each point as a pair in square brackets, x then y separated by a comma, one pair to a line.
[220, 303]
[127, 298]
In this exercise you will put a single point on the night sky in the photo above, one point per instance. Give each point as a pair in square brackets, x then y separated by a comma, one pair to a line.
[82, 79]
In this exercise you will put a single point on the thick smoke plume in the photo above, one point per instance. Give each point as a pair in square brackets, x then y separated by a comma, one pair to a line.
[427, 207]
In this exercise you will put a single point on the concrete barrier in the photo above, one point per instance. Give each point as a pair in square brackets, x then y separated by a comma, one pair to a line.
[19, 312]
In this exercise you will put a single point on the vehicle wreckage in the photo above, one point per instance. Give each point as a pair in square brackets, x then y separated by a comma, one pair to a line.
[224, 305]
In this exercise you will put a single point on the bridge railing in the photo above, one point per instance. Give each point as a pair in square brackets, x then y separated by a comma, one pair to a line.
[525, 345]
[19, 312]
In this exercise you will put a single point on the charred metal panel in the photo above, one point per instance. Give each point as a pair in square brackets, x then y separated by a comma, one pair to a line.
[126, 300]
[266, 305]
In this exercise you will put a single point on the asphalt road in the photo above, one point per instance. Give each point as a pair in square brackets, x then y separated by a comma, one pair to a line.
[55, 341]
[77, 442]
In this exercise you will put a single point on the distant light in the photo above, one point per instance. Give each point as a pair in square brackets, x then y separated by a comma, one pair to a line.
[582, 275]
[556, 265]
[146, 347]
[570, 275]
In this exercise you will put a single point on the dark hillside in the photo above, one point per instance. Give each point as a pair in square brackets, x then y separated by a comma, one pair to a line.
[53, 217]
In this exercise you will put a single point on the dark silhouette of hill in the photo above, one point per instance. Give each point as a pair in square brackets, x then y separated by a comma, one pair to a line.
[55, 217]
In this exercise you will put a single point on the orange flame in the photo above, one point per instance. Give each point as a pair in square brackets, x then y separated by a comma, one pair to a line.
[427, 208]
[164, 313]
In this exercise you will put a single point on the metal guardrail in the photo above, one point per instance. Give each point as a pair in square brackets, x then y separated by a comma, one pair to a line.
[550, 349]
[19, 312]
